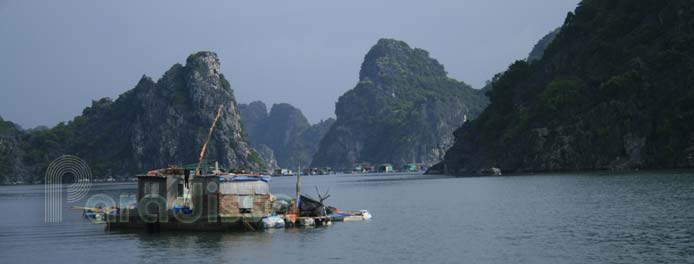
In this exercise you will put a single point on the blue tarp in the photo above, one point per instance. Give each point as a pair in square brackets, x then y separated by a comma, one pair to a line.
[184, 209]
[339, 215]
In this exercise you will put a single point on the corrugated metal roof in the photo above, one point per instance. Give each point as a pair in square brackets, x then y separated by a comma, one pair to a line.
[245, 188]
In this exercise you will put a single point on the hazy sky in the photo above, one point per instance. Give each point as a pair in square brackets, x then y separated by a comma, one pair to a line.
[57, 56]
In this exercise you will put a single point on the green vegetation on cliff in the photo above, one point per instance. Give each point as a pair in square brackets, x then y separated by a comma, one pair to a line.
[403, 110]
[538, 50]
[613, 90]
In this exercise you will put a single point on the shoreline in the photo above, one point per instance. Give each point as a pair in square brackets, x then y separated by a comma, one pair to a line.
[515, 174]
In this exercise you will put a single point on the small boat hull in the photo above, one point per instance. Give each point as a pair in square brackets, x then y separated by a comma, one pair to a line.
[360, 215]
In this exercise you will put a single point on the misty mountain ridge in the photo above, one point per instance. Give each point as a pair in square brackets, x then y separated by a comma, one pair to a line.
[283, 136]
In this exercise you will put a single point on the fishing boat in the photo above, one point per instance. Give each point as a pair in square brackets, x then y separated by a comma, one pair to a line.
[96, 215]
[360, 215]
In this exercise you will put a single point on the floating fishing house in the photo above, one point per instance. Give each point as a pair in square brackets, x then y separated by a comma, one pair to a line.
[171, 199]
[385, 168]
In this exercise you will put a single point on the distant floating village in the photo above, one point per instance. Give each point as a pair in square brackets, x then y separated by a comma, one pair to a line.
[363, 167]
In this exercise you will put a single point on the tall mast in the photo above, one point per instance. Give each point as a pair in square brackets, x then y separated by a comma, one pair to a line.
[209, 135]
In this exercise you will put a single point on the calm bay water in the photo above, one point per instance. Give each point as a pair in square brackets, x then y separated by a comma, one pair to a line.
[580, 218]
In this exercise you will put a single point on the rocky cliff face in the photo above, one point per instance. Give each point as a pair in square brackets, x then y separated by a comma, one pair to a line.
[175, 114]
[11, 153]
[284, 133]
[152, 125]
[403, 110]
[612, 91]
[253, 118]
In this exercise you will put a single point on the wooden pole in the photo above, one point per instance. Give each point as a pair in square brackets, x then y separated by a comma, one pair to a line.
[298, 192]
[209, 135]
